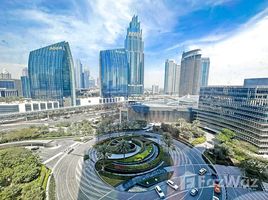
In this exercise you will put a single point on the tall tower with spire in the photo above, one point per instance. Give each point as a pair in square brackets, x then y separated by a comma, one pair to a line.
[134, 47]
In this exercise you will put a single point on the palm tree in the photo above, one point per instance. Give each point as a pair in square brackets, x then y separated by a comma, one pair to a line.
[123, 147]
[167, 138]
[103, 152]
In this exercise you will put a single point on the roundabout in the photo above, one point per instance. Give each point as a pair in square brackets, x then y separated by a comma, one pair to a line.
[85, 179]
[133, 161]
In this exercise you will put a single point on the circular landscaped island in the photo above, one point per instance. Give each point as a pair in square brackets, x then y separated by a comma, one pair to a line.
[131, 161]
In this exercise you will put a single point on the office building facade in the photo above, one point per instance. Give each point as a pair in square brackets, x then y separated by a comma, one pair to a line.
[243, 110]
[10, 87]
[86, 75]
[190, 77]
[134, 46]
[78, 71]
[172, 78]
[155, 89]
[51, 73]
[254, 82]
[205, 64]
[114, 73]
[25, 84]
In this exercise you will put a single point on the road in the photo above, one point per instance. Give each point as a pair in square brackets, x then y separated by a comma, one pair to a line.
[39, 122]
[77, 179]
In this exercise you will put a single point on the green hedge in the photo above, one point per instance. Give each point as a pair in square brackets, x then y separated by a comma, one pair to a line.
[140, 156]
[199, 140]
[136, 168]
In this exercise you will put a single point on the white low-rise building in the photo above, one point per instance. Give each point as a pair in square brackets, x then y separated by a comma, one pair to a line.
[98, 100]
[27, 106]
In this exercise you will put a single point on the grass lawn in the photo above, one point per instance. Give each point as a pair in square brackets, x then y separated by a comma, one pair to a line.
[43, 177]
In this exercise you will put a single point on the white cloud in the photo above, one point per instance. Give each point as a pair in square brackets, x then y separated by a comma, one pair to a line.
[244, 55]
[234, 56]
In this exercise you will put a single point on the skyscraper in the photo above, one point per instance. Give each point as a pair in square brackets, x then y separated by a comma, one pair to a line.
[134, 47]
[25, 72]
[51, 73]
[25, 83]
[190, 77]
[205, 62]
[86, 75]
[155, 89]
[78, 74]
[114, 72]
[172, 77]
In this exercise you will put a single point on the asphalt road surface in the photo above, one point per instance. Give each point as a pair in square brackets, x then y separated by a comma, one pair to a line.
[77, 179]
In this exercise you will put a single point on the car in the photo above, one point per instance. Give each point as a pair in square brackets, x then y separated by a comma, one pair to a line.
[194, 191]
[215, 198]
[217, 188]
[172, 184]
[159, 192]
[202, 171]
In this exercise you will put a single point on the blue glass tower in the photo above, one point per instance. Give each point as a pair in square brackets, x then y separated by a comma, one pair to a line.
[205, 62]
[134, 47]
[51, 73]
[114, 73]
[25, 84]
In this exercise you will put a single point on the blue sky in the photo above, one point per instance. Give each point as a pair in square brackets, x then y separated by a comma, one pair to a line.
[233, 33]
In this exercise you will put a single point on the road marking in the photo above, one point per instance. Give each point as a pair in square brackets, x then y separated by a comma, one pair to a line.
[52, 158]
[106, 194]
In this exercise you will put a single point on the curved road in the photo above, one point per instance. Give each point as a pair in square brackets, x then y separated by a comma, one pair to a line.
[76, 179]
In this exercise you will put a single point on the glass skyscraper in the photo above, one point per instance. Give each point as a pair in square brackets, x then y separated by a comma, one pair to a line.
[78, 74]
[134, 47]
[205, 62]
[114, 73]
[190, 77]
[51, 73]
[172, 77]
[25, 84]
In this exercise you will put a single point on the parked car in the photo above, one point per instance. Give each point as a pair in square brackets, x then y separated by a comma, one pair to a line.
[159, 192]
[172, 184]
[202, 171]
[194, 191]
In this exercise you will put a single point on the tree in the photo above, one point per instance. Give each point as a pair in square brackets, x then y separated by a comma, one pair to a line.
[225, 136]
[222, 151]
[195, 128]
[10, 193]
[167, 138]
[123, 147]
[32, 191]
[103, 152]
[255, 166]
